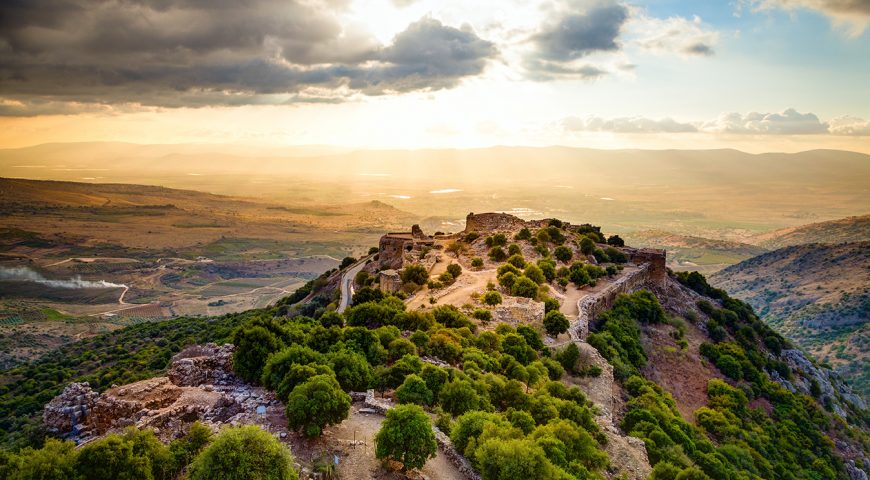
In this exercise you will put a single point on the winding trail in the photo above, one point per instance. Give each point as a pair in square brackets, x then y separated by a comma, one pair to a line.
[347, 283]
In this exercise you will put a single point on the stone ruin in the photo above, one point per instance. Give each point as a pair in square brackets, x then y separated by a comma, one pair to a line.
[200, 386]
[393, 248]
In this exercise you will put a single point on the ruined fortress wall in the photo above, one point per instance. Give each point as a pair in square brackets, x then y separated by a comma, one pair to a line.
[592, 306]
[656, 259]
[391, 251]
[492, 222]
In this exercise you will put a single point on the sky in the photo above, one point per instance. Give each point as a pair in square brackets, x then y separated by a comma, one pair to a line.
[756, 75]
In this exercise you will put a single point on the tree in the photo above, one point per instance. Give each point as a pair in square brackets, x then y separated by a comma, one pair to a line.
[563, 253]
[346, 262]
[414, 390]
[555, 323]
[352, 370]
[406, 436]
[456, 248]
[513, 459]
[367, 294]
[415, 273]
[279, 363]
[492, 298]
[400, 347]
[240, 453]
[186, 448]
[523, 234]
[569, 356]
[524, 287]
[615, 241]
[587, 245]
[315, 404]
[459, 396]
[299, 374]
[454, 269]
[135, 455]
[54, 461]
[497, 254]
[534, 273]
[517, 260]
[253, 346]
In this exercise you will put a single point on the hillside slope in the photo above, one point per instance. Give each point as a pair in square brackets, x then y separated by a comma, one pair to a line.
[687, 252]
[844, 230]
[817, 295]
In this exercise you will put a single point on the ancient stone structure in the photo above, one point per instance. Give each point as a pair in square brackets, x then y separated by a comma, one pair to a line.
[519, 311]
[394, 247]
[200, 386]
[389, 281]
[68, 415]
[201, 365]
[656, 259]
[492, 222]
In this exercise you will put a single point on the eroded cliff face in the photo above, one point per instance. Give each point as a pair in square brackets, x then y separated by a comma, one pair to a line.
[199, 386]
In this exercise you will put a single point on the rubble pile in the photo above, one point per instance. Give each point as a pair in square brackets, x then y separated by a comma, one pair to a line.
[200, 386]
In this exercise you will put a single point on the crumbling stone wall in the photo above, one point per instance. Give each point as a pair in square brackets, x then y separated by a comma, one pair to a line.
[656, 259]
[519, 311]
[492, 222]
[591, 306]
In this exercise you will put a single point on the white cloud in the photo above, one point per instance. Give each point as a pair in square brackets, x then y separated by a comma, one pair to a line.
[674, 35]
[789, 122]
[626, 125]
[850, 126]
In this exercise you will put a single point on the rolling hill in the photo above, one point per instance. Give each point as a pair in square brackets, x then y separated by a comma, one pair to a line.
[818, 295]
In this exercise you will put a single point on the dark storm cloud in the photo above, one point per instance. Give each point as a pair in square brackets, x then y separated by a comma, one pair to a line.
[214, 52]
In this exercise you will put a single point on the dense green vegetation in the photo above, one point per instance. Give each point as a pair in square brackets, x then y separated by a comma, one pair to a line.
[124, 356]
[234, 454]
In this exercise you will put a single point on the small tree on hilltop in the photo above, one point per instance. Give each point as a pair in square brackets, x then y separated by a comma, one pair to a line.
[315, 404]
[587, 246]
[241, 453]
[406, 437]
[615, 241]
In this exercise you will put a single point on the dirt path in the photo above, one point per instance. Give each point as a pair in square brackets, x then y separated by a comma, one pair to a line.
[457, 294]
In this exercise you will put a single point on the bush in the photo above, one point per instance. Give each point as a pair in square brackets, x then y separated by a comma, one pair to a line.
[352, 370]
[482, 314]
[253, 346]
[615, 241]
[568, 357]
[315, 404]
[517, 261]
[346, 262]
[563, 254]
[507, 280]
[497, 254]
[524, 287]
[414, 390]
[459, 396]
[477, 262]
[513, 459]
[299, 374]
[555, 323]
[135, 454]
[514, 249]
[587, 245]
[615, 256]
[534, 273]
[454, 269]
[729, 366]
[523, 234]
[406, 436]
[240, 453]
[55, 460]
[492, 298]
[414, 273]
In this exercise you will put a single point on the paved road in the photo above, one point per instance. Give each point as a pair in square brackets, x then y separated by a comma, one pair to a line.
[347, 283]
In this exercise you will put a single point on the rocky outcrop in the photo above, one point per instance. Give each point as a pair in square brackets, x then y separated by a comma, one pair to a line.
[202, 365]
[492, 222]
[833, 391]
[519, 311]
[200, 386]
[69, 414]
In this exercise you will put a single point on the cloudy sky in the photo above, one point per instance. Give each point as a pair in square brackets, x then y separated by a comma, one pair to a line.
[758, 75]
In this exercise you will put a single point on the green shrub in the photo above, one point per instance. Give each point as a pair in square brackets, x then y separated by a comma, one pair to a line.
[240, 453]
[406, 436]
[315, 404]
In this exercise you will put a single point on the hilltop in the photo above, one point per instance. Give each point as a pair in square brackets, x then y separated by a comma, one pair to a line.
[844, 230]
[815, 294]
